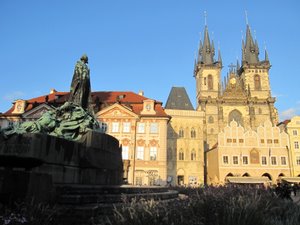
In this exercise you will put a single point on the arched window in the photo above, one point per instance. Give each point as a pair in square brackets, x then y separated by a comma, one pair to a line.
[210, 119]
[236, 116]
[193, 155]
[257, 85]
[181, 154]
[210, 84]
[181, 132]
[193, 133]
[267, 175]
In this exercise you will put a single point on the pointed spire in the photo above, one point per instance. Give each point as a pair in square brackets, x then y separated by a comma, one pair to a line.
[250, 49]
[219, 56]
[237, 65]
[207, 49]
[266, 56]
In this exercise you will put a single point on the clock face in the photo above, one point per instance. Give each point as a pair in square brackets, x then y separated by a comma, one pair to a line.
[233, 80]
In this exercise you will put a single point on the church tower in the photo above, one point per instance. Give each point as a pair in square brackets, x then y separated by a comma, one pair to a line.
[244, 95]
[208, 83]
[255, 77]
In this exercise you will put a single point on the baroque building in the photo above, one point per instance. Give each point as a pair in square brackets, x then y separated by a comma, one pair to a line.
[139, 123]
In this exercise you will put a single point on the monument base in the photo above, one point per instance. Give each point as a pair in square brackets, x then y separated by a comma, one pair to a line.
[32, 163]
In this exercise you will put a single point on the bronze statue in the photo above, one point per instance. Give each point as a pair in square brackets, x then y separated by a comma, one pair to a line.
[69, 121]
[80, 87]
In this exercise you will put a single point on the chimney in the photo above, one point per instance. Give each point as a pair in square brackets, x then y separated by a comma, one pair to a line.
[52, 90]
[141, 93]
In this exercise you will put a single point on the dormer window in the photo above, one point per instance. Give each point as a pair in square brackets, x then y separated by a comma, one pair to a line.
[148, 107]
[19, 106]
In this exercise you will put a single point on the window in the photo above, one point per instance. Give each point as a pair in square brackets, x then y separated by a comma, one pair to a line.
[193, 155]
[262, 141]
[153, 128]
[141, 128]
[125, 152]
[273, 160]
[235, 160]
[210, 119]
[126, 127]
[245, 160]
[115, 127]
[181, 155]
[229, 140]
[269, 141]
[276, 141]
[296, 144]
[295, 132]
[225, 159]
[153, 153]
[264, 160]
[103, 127]
[298, 160]
[241, 140]
[257, 85]
[181, 133]
[193, 133]
[236, 116]
[233, 140]
[283, 160]
[140, 153]
[210, 84]
[204, 80]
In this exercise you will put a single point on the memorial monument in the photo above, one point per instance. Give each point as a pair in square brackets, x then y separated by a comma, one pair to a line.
[62, 147]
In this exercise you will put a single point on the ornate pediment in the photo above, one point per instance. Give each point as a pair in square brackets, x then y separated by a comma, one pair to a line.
[116, 111]
[37, 112]
[234, 89]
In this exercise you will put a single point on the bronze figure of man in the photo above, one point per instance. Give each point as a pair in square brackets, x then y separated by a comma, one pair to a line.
[80, 86]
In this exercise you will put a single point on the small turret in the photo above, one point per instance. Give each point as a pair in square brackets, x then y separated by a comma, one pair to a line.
[266, 56]
[219, 57]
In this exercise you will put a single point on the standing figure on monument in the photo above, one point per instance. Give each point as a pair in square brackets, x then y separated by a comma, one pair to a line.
[80, 87]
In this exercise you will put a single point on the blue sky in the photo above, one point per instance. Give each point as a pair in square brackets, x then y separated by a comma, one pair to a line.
[147, 45]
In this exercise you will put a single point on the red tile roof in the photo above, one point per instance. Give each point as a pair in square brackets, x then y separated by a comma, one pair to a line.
[131, 99]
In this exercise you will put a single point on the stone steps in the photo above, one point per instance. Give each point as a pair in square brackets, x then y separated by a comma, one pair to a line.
[81, 203]
[86, 194]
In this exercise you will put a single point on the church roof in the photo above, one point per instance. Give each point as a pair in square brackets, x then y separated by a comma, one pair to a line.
[179, 99]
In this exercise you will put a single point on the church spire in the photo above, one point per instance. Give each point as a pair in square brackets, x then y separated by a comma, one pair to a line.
[250, 49]
[207, 49]
[266, 56]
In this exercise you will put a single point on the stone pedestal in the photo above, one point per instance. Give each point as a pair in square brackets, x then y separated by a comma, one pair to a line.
[33, 162]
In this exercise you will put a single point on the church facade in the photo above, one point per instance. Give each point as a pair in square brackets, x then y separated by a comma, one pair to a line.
[244, 95]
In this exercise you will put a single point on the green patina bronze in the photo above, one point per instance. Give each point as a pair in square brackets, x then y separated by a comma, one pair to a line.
[81, 87]
[71, 120]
